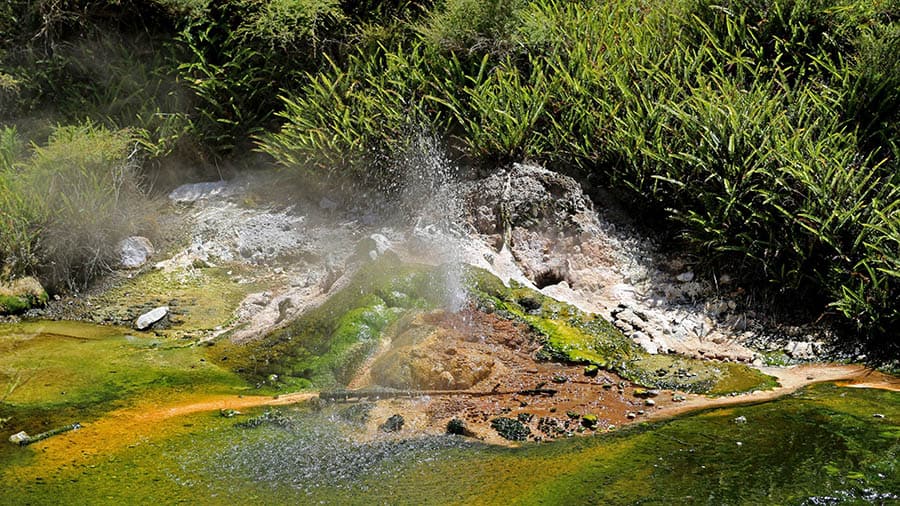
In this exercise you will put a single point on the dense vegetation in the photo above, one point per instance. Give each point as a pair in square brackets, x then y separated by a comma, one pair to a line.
[767, 131]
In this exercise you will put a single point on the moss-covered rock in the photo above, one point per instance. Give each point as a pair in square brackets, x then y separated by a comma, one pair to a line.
[571, 335]
[510, 428]
[325, 346]
[20, 295]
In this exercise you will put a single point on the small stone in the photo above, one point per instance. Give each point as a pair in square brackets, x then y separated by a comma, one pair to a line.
[229, 413]
[650, 402]
[678, 398]
[740, 420]
[685, 277]
[591, 370]
[878, 415]
[20, 438]
[631, 416]
[644, 393]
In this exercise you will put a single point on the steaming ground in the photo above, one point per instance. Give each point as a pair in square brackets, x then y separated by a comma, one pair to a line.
[284, 251]
[526, 224]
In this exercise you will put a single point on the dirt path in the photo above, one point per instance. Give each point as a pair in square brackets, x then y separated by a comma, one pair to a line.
[790, 380]
[148, 420]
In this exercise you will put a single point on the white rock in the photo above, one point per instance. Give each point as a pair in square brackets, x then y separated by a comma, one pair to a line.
[146, 320]
[382, 243]
[187, 193]
[645, 342]
[134, 251]
[685, 277]
[19, 438]
[799, 350]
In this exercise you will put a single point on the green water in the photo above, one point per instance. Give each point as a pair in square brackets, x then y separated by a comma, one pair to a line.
[821, 445]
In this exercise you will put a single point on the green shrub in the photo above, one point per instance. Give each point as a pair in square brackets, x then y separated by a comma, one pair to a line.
[239, 57]
[477, 26]
[69, 203]
[292, 23]
[359, 116]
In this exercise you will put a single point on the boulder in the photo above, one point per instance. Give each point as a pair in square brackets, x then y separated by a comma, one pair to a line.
[422, 358]
[538, 214]
[527, 196]
[135, 251]
[148, 319]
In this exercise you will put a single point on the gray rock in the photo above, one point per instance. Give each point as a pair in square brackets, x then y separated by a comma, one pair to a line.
[381, 243]
[146, 320]
[527, 196]
[134, 251]
[188, 193]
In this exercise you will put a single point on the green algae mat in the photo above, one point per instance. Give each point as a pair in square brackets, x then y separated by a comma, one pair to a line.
[821, 445]
[58, 373]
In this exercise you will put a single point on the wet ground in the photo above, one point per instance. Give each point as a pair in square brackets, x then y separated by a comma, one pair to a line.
[550, 398]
